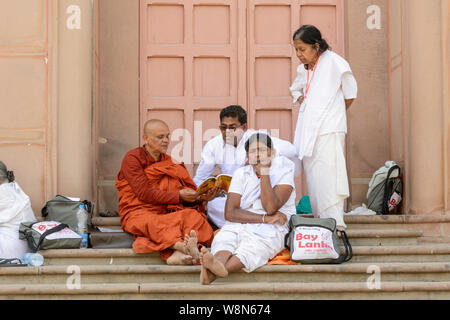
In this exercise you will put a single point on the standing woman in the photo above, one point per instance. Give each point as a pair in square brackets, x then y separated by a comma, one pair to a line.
[325, 89]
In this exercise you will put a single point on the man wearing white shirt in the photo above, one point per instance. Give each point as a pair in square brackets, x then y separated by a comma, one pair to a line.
[227, 152]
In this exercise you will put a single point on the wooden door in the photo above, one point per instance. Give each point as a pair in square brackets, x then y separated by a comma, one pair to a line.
[198, 57]
[192, 57]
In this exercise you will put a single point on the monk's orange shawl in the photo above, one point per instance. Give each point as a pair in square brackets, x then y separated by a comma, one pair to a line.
[157, 227]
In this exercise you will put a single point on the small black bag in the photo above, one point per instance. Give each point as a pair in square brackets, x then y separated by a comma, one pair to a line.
[64, 210]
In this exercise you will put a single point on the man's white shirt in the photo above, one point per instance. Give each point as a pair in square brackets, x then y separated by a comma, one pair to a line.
[229, 158]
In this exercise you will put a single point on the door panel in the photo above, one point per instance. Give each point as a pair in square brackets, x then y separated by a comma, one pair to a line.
[191, 58]
[25, 144]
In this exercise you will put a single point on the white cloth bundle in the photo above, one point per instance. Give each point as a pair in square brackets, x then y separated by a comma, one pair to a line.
[15, 208]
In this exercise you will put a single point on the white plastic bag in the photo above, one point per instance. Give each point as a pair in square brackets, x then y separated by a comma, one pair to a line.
[15, 207]
[362, 211]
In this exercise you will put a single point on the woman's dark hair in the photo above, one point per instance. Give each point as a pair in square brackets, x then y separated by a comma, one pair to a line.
[5, 174]
[234, 112]
[311, 35]
[259, 137]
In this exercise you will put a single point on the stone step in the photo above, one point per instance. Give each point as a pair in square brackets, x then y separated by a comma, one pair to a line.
[426, 272]
[230, 291]
[415, 253]
[350, 220]
[99, 257]
[383, 237]
[434, 240]
[434, 227]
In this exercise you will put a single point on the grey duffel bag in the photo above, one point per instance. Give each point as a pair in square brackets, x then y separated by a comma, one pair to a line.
[49, 235]
[64, 210]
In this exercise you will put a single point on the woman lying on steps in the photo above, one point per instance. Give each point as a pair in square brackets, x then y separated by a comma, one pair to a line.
[261, 199]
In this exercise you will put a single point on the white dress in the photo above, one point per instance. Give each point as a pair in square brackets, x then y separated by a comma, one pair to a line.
[228, 159]
[255, 244]
[320, 133]
[15, 208]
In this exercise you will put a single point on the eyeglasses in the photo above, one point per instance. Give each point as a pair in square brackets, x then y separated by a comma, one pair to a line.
[231, 128]
[261, 151]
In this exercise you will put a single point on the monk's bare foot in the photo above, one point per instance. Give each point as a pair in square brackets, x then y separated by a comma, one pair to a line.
[206, 276]
[212, 264]
[179, 258]
[191, 245]
[180, 246]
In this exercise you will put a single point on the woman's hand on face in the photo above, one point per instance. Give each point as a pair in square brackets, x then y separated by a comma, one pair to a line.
[277, 218]
[262, 170]
[263, 167]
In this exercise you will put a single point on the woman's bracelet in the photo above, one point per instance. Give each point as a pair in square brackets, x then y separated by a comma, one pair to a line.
[263, 218]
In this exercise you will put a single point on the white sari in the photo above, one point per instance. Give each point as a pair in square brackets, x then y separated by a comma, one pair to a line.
[255, 244]
[320, 133]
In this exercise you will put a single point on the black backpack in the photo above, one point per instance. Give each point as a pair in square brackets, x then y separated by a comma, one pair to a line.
[381, 196]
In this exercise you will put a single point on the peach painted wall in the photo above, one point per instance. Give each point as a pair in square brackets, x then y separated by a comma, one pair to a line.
[118, 51]
[368, 139]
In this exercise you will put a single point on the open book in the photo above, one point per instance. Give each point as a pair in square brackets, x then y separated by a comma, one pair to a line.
[222, 181]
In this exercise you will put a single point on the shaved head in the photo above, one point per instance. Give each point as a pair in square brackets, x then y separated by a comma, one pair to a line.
[154, 124]
[156, 137]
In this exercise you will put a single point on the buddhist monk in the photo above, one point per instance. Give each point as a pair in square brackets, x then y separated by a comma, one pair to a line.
[158, 203]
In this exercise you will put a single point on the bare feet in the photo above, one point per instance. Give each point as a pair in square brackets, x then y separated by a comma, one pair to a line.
[180, 246]
[212, 264]
[191, 246]
[179, 258]
[206, 276]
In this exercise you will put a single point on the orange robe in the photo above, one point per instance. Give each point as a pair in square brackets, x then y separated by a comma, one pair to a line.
[154, 225]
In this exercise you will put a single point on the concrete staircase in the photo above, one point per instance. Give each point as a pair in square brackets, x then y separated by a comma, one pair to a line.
[409, 254]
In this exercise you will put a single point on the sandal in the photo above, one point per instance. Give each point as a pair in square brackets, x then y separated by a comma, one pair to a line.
[11, 263]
